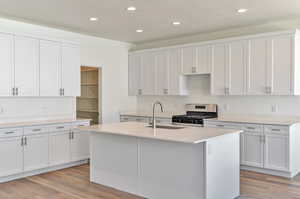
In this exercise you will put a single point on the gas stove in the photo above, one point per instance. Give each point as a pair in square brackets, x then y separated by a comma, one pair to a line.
[195, 114]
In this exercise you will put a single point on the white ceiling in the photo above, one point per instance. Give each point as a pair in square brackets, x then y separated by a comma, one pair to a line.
[154, 16]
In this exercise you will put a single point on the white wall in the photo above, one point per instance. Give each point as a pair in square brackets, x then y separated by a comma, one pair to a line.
[112, 56]
[199, 87]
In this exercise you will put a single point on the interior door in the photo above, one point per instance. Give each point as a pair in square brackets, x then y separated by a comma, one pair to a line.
[50, 66]
[36, 152]
[162, 73]
[252, 149]
[219, 65]
[134, 75]
[7, 65]
[281, 64]
[257, 67]
[27, 66]
[148, 76]
[80, 149]
[11, 153]
[59, 146]
[236, 71]
[70, 70]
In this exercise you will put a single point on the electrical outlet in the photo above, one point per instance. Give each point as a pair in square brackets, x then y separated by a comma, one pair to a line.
[226, 107]
[274, 108]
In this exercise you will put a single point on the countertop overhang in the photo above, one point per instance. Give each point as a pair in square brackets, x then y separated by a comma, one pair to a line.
[192, 135]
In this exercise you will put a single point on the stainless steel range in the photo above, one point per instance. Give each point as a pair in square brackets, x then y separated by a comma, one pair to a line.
[195, 113]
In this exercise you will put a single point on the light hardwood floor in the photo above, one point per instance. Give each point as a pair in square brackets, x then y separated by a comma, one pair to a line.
[73, 183]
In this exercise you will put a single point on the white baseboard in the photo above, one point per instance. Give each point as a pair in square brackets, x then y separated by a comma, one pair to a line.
[269, 171]
[40, 171]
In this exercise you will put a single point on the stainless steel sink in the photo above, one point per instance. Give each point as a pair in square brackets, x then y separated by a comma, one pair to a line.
[166, 127]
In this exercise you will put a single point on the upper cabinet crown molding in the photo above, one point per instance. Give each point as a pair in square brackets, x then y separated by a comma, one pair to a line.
[261, 64]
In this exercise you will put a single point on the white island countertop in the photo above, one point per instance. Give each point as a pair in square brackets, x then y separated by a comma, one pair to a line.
[192, 135]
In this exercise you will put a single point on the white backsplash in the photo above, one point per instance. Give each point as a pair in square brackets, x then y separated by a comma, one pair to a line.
[36, 108]
[199, 87]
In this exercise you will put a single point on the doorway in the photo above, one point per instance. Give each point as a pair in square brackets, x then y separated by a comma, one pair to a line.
[89, 103]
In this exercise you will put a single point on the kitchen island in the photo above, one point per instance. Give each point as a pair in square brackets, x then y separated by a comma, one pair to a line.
[166, 163]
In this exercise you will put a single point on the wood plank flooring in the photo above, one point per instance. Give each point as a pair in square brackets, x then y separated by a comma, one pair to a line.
[73, 183]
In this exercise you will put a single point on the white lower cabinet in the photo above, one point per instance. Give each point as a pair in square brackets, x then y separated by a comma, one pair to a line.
[267, 147]
[36, 152]
[276, 152]
[252, 151]
[59, 147]
[80, 145]
[11, 153]
[24, 150]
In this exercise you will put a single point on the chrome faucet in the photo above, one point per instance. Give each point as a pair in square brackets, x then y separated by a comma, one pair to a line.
[153, 115]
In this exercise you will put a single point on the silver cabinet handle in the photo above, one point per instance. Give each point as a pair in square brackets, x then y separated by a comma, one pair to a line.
[60, 92]
[275, 130]
[70, 135]
[251, 128]
[9, 132]
[226, 91]
[36, 130]
[63, 92]
[17, 91]
[22, 141]
[194, 69]
[13, 91]
[166, 91]
[26, 141]
[220, 125]
[60, 127]
[140, 92]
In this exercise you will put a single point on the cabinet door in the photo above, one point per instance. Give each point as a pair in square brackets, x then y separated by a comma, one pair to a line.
[80, 146]
[236, 71]
[257, 67]
[276, 152]
[134, 75]
[59, 148]
[219, 64]
[204, 59]
[281, 64]
[162, 73]
[7, 66]
[27, 66]
[70, 70]
[148, 70]
[36, 152]
[252, 149]
[189, 60]
[50, 66]
[177, 82]
[11, 153]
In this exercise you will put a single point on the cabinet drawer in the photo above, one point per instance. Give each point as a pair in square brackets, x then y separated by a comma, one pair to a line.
[276, 129]
[35, 130]
[60, 127]
[253, 128]
[225, 125]
[4, 133]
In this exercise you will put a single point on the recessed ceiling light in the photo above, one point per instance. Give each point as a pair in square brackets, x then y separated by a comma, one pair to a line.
[139, 30]
[176, 23]
[93, 19]
[242, 10]
[131, 9]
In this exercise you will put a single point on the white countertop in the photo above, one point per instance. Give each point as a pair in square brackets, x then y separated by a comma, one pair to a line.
[192, 135]
[149, 114]
[272, 120]
[40, 122]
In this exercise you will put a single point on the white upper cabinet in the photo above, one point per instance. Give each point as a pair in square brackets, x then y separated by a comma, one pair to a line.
[258, 66]
[236, 70]
[219, 65]
[177, 82]
[7, 65]
[162, 73]
[70, 72]
[204, 59]
[134, 75]
[50, 68]
[281, 65]
[148, 73]
[189, 60]
[26, 66]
